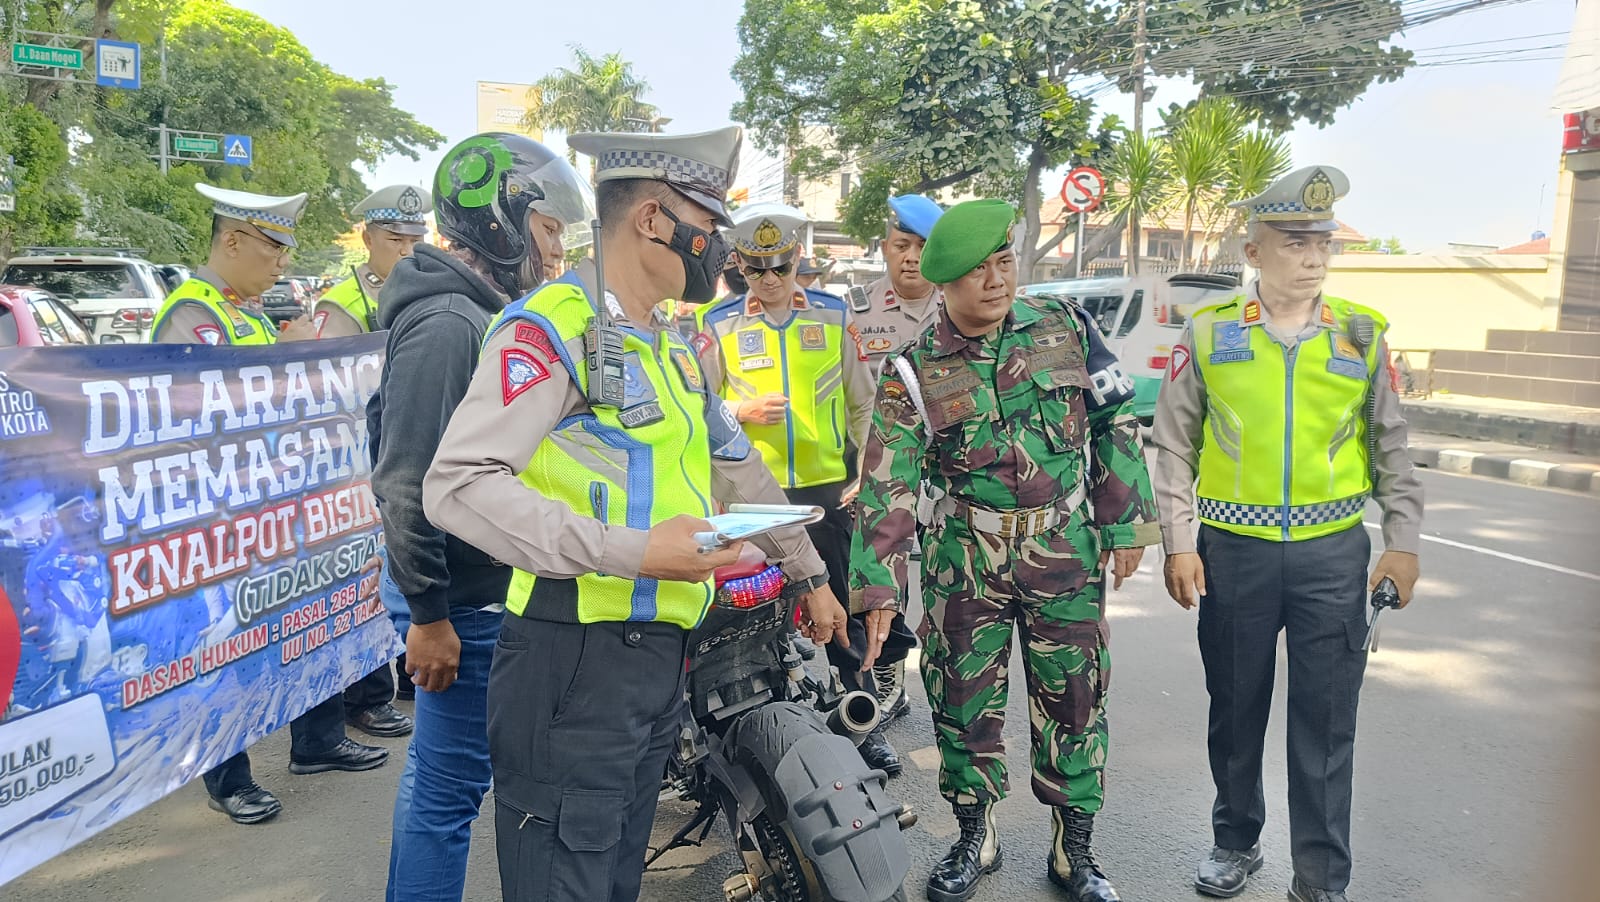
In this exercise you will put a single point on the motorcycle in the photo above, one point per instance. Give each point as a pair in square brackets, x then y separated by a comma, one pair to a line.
[772, 750]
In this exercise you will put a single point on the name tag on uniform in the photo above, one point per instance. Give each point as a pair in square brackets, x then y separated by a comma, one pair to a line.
[1230, 343]
[812, 338]
[643, 415]
[755, 363]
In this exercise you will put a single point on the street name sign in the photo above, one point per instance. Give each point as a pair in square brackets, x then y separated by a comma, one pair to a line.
[185, 144]
[48, 57]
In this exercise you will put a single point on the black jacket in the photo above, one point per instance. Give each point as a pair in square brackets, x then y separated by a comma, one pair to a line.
[436, 310]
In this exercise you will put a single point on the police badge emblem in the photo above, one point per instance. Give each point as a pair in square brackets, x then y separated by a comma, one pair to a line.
[752, 343]
[1318, 194]
[812, 337]
[768, 235]
[409, 202]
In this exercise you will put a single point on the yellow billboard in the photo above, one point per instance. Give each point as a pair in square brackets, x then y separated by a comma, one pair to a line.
[501, 107]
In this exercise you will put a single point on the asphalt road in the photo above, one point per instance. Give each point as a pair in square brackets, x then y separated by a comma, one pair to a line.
[1467, 756]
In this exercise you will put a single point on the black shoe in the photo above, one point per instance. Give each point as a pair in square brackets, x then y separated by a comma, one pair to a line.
[1300, 892]
[250, 804]
[1227, 871]
[805, 648]
[379, 720]
[1072, 865]
[879, 754]
[890, 680]
[347, 755]
[975, 853]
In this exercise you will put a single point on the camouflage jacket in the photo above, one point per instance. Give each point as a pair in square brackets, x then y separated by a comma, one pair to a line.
[1011, 427]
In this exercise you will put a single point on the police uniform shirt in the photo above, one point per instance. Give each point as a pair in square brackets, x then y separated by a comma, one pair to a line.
[473, 490]
[189, 321]
[333, 321]
[891, 322]
[1179, 434]
[857, 374]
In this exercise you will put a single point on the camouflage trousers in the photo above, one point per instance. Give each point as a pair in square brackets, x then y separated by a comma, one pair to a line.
[978, 589]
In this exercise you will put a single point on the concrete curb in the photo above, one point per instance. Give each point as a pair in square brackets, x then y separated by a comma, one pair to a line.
[1574, 477]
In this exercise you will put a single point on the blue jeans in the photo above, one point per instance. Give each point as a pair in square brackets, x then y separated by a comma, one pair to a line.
[447, 773]
[393, 601]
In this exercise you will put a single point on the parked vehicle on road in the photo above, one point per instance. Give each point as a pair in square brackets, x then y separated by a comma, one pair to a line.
[286, 299]
[114, 291]
[1141, 318]
[33, 318]
[771, 751]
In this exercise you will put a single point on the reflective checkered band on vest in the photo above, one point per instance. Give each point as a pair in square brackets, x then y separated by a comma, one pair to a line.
[651, 159]
[233, 212]
[1261, 515]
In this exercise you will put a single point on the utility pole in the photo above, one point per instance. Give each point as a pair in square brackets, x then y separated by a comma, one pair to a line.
[163, 130]
[1140, 38]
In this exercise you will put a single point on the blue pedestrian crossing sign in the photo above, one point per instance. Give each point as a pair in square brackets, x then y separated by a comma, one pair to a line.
[236, 150]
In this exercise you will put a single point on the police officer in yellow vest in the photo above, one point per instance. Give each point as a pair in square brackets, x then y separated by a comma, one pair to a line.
[1278, 421]
[252, 236]
[593, 493]
[790, 365]
[393, 224]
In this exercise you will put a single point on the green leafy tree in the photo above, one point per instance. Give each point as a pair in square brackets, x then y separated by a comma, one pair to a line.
[1138, 174]
[1200, 148]
[46, 211]
[600, 94]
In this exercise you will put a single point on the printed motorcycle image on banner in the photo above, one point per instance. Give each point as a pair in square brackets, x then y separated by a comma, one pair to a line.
[188, 543]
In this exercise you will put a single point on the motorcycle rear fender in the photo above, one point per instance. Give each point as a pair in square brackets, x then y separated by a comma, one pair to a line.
[842, 819]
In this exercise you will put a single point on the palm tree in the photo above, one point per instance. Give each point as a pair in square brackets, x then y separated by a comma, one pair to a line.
[1201, 147]
[1137, 172]
[1258, 160]
[597, 95]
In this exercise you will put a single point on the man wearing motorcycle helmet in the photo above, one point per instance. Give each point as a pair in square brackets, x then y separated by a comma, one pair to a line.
[586, 454]
[506, 205]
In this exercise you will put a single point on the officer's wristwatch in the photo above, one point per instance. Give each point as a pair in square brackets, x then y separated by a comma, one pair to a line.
[802, 586]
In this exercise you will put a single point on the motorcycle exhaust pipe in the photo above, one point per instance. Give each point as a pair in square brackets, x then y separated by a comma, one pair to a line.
[855, 716]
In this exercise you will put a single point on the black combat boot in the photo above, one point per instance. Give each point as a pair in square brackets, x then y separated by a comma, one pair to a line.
[879, 754]
[1072, 865]
[977, 852]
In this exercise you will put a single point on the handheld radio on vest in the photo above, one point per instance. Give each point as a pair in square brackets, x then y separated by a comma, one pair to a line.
[603, 349]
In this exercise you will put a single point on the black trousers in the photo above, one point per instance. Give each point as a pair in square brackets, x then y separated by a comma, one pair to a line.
[581, 719]
[831, 536]
[1315, 592]
[372, 690]
[311, 734]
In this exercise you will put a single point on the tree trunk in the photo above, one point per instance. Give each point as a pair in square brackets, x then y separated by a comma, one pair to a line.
[1188, 225]
[1132, 255]
[41, 91]
[1032, 249]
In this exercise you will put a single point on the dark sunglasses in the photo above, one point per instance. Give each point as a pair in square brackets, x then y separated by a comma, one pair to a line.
[782, 272]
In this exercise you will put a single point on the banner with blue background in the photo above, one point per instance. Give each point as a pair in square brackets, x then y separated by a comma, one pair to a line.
[187, 562]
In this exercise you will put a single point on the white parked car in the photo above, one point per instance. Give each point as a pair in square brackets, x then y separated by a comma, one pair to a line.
[114, 291]
[1141, 318]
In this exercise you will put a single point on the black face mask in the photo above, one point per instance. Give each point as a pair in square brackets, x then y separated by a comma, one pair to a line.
[703, 254]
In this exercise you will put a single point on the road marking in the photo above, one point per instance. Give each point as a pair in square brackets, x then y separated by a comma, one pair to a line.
[1543, 565]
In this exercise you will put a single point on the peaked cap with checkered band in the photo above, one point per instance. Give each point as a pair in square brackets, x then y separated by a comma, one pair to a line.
[275, 216]
[700, 166]
[1301, 201]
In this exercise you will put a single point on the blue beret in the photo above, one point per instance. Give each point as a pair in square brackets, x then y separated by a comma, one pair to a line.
[915, 213]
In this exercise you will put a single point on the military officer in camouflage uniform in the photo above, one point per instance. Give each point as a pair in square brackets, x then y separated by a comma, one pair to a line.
[394, 224]
[1040, 482]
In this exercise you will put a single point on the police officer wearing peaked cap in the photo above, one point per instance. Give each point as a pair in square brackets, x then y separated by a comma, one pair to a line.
[789, 364]
[394, 221]
[251, 238]
[598, 521]
[1278, 420]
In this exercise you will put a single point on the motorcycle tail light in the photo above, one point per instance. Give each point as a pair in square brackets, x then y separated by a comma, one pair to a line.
[751, 591]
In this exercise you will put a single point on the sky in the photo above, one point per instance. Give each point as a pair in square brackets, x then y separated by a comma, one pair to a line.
[1446, 154]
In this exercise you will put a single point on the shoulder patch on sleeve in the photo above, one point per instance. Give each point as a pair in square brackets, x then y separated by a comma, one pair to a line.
[855, 335]
[530, 334]
[519, 371]
[1180, 359]
[703, 341]
[209, 334]
[319, 321]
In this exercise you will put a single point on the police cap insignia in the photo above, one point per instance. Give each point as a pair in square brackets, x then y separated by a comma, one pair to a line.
[768, 234]
[1318, 194]
[409, 201]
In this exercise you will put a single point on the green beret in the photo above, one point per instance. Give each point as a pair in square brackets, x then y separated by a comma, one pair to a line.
[964, 237]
